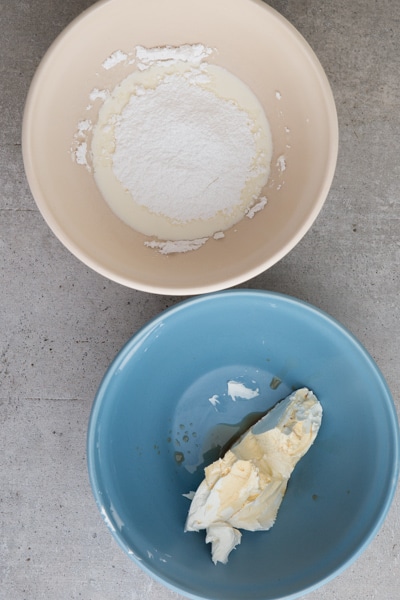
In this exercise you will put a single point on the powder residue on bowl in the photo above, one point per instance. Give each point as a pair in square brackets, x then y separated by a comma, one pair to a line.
[176, 246]
[114, 59]
[252, 210]
[81, 154]
[214, 400]
[181, 149]
[237, 389]
[281, 163]
[97, 94]
[189, 53]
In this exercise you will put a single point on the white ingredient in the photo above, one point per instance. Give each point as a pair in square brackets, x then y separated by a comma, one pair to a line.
[222, 537]
[245, 488]
[214, 400]
[177, 246]
[116, 57]
[181, 156]
[192, 53]
[84, 127]
[239, 390]
[281, 163]
[256, 208]
[200, 147]
[97, 94]
[181, 149]
[81, 154]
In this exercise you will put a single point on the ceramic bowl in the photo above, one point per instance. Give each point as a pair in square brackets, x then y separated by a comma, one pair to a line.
[253, 42]
[163, 412]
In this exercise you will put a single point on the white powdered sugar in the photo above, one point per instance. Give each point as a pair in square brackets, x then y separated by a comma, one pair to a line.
[81, 154]
[188, 53]
[281, 163]
[179, 143]
[181, 148]
[176, 246]
[114, 59]
[97, 94]
[256, 207]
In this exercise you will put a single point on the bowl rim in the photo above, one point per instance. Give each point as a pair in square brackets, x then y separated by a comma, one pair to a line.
[221, 296]
[245, 273]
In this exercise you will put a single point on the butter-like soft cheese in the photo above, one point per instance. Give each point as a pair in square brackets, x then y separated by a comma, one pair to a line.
[244, 489]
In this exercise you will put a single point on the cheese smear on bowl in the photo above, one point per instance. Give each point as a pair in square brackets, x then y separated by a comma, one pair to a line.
[244, 489]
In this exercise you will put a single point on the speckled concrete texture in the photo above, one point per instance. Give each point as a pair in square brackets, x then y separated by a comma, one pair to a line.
[61, 323]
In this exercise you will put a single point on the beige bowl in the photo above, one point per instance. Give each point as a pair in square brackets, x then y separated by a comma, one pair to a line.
[253, 42]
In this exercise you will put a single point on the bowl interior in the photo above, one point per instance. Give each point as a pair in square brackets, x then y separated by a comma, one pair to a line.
[153, 428]
[253, 42]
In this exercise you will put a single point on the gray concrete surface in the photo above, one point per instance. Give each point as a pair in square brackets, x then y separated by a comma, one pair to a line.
[61, 324]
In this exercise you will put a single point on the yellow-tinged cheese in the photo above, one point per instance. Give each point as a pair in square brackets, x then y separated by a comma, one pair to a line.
[244, 489]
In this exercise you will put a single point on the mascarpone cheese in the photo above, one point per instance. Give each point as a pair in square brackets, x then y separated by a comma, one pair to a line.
[244, 489]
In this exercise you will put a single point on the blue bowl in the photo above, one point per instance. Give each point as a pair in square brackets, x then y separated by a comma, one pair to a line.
[163, 412]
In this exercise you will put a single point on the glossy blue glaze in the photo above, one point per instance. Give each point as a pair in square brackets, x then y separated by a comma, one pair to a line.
[162, 412]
